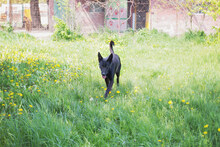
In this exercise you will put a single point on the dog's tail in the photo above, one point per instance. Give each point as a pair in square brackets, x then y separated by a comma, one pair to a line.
[111, 46]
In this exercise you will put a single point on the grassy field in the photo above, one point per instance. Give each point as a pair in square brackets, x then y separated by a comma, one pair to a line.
[51, 92]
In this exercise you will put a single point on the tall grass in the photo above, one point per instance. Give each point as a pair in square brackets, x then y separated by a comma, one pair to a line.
[52, 92]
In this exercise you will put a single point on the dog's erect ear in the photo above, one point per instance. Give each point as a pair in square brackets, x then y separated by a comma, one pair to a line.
[99, 57]
[110, 58]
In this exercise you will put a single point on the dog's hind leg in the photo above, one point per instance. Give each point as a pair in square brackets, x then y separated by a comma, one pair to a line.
[118, 74]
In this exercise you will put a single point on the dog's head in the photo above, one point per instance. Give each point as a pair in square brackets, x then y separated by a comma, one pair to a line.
[105, 64]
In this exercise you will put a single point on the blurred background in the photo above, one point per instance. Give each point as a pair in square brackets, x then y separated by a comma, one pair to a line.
[174, 17]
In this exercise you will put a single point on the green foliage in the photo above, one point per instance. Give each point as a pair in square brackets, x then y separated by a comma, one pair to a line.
[51, 92]
[63, 32]
[197, 36]
[7, 27]
[215, 37]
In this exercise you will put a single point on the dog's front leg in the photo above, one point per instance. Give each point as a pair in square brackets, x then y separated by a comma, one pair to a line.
[109, 88]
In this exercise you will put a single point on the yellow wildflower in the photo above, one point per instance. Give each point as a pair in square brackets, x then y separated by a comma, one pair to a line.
[183, 101]
[20, 109]
[30, 106]
[187, 103]
[170, 102]
[160, 100]
[132, 111]
[117, 91]
[159, 140]
[9, 115]
[113, 109]
[205, 132]
[219, 129]
[20, 113]
[206, 126]
[3, 104]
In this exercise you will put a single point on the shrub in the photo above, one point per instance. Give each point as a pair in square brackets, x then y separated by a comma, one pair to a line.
[63, 32]
[215, 37]
[7, 27]
[197, 36]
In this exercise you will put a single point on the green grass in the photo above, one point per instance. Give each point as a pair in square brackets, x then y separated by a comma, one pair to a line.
[52, 92]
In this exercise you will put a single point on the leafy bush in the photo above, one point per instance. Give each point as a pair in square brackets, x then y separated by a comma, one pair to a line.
[215, 37]
[7, 27]
[197, 36]
[63, 32]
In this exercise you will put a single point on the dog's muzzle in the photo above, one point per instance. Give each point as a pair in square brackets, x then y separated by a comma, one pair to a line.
[104, 77]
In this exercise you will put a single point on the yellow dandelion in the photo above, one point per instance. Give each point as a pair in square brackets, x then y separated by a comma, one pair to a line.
[170, 102]
[30, 106]
[132, 111]
[14, 104]
[219, 129]
[101, 96]
[206, 126]
[187, 103]
[117, 91]
[3, 104]
[113, 109]
[80, 101]
[105, 89]
[159, 140]
[183, 101]
[97, 97]
[20, 109]
[205, 132]
[102, 87]
[106, 100]
[9, 115]
[160, 100]
[38, 90]
[110, 92]
[20, 113]
[112, 96]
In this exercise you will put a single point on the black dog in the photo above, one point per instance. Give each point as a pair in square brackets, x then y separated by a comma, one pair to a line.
[109, 67]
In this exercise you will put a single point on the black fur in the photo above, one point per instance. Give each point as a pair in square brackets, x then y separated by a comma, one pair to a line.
[110, 66]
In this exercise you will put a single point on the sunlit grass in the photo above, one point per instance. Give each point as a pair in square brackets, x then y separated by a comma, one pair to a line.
[51, 93]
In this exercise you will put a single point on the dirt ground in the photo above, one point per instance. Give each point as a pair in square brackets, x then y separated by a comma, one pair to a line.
[39, 34]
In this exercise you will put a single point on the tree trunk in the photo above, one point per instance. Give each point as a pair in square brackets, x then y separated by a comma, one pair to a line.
[10, 12]
[35, 14]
